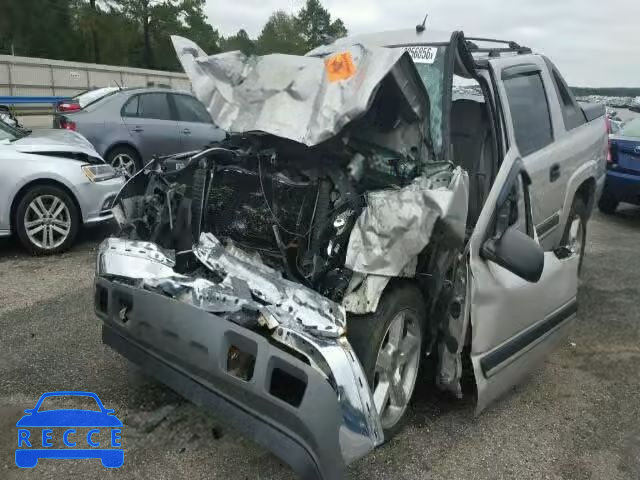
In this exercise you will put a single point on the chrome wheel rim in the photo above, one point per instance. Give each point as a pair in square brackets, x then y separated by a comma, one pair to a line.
[47, 222]
[397, 368]
[125, 164]
[576, 236]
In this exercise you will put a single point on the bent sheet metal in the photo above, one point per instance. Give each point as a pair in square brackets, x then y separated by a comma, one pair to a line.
[306, 99]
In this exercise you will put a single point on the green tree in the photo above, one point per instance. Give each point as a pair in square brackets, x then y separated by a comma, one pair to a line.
[316, 26]
[239, 41]
[198, 29]
[141, 12]
[41, 28]
[281, 34]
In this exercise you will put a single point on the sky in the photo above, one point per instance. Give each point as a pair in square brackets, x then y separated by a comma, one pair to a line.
[593, 43]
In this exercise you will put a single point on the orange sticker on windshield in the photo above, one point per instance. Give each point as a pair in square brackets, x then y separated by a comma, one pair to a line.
[340, 67]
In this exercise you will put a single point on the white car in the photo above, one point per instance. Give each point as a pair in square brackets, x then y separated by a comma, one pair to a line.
[52, 183]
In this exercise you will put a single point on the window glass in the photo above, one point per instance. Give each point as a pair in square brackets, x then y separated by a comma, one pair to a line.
[572, 114]
[432, 75]
[191, 110]
[631, 129]
[87, 98]
[529, 112]
[154, 105]
[131, 107]
[513, 213]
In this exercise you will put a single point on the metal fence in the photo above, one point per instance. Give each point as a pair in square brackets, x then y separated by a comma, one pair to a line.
[40, 77]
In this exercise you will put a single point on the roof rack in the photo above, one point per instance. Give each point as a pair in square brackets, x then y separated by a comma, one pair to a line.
[511, 47]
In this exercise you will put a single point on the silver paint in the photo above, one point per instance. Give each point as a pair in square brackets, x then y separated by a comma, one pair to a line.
[285, 95]
[327, 349]
[396, 225]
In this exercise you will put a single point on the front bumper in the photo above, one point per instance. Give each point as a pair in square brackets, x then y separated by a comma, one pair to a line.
[96, 199]
[323, 422]
[186, 349]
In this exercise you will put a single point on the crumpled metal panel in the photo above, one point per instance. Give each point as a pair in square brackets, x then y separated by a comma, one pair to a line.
[297, 304]
[396, 225]
[366, 296]
[133, 259]
[245, 277]
[289, 96]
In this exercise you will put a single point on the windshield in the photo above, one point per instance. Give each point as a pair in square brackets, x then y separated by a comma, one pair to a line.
[6, 132]
[87, 98]
[631, 129]
[429, 62]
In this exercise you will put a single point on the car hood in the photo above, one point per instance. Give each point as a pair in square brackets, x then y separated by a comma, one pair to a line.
[69, 418]
[307, 99]
[50, 140]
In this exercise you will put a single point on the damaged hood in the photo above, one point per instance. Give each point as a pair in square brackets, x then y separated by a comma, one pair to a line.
[50, 140]
[305, 99]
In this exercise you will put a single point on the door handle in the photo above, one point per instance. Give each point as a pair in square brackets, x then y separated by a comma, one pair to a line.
[138, 129]
[186, 131]
[554, 172]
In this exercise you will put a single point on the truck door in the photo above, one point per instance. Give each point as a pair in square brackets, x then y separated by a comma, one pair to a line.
[522, 298]
[525, 89]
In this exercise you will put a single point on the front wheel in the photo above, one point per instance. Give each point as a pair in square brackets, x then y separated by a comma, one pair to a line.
[388, 343]
[47, 220]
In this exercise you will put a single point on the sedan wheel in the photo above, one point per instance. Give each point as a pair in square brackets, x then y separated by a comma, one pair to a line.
[396, 368]
[47, 219]
[47, 222]
[125, 164]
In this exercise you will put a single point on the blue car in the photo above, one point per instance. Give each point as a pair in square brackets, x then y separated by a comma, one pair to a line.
[33, 445]
[623, 168]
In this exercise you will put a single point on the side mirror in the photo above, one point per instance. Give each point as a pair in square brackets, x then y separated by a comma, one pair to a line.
[517, 252]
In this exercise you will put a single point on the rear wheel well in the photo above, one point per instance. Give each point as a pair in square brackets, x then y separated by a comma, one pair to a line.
[121, 145]
[586, 191]
[44, 181]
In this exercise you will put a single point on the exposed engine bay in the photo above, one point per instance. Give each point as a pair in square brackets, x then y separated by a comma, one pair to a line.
[290, 239]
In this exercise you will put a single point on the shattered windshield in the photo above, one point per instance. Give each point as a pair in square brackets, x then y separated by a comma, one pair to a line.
[431, 71]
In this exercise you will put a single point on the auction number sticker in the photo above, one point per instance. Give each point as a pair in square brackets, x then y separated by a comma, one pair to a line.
[422, 54]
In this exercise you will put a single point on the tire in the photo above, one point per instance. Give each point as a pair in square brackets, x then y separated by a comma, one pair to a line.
[45, 232]
[124, 159]
[575, 231]
[607, 204]
[368, 335]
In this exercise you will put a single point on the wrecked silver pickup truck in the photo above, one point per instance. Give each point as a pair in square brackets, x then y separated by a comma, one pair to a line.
[295, 277]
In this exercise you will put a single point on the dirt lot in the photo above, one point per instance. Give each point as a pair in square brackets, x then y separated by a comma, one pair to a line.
[577, 418]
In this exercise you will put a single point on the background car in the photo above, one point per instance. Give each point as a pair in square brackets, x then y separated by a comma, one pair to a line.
[52, 183]
[128, 126]
[623, 168]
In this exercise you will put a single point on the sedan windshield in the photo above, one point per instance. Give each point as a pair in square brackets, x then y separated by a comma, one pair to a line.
[631, 129]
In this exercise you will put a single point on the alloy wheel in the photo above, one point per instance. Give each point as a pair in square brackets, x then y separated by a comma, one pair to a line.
[396, 368]
[124, 164]
[47, 221]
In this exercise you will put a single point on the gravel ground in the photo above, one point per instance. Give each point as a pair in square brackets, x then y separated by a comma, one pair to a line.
[578, 417]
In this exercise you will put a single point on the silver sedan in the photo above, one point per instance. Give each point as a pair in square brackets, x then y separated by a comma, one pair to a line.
[52, 183]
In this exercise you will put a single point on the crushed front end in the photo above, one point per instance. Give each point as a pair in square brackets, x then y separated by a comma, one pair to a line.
[233, 277]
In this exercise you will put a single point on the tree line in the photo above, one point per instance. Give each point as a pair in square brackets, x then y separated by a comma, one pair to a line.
[135, 33]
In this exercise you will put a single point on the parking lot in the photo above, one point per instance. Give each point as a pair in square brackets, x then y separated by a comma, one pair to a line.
[577, 418]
